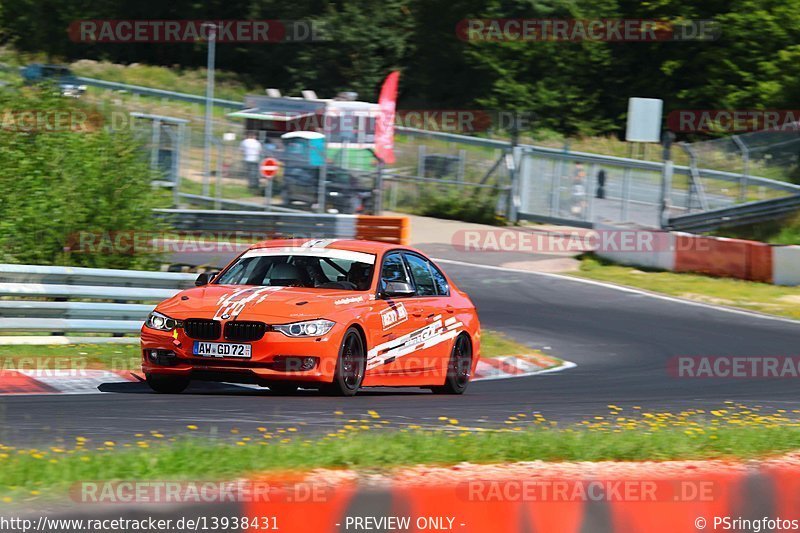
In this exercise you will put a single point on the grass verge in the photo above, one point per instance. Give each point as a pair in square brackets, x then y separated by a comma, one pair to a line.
[761, 297]
[68, 356]
[374, 444]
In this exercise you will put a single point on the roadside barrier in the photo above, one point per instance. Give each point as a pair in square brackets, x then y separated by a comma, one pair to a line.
[714, 256]
[685, 501]
[756, 498]
[786, 265]
[387, 229]
[717, 256]
[393, 229]
[660, 257]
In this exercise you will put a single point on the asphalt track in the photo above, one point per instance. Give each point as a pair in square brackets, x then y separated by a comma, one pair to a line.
[621, 341]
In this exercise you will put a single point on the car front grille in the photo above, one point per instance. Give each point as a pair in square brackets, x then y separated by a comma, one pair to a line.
[244, 331]
[204, 330]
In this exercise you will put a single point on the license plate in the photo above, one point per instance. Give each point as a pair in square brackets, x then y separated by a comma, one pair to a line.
[221, 349]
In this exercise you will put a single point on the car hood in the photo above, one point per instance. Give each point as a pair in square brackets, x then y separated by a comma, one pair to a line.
[267, 304]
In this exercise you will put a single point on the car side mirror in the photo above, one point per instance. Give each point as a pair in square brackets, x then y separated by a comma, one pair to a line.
[398, 289]
[205, 278]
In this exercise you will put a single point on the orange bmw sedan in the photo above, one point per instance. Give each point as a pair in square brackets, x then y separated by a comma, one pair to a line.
[333, 315]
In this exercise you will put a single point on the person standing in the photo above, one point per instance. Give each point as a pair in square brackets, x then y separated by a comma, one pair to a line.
[251, 155]
[601, 184]
[578, 205]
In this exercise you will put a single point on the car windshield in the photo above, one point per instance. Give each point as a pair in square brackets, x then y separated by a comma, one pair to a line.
[302, 267]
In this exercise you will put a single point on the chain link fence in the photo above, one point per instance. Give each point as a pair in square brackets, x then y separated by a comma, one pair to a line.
[444, 170]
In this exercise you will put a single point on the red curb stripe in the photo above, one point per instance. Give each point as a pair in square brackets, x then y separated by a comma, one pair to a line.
[12, 382]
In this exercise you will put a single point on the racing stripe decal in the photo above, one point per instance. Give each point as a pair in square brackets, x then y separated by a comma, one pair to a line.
[232, 305]
[419, 339]
[318, 243]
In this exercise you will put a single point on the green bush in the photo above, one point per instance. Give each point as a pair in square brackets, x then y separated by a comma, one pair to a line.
[476, 206]
[74, 179]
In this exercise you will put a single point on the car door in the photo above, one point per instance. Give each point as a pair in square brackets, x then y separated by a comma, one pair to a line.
[390, 358]
[431, 306]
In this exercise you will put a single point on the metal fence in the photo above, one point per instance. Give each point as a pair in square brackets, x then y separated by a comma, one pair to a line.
[580, 188]
[539, 183]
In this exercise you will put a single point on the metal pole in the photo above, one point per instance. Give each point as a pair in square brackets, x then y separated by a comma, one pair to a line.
[268, 194]
[591, 187]
[155, 142]
[626, 187]
[555, 188]
[218, 180]
[323, 175]
[514, 191]
[745, 167]
[212, 40]
[462, 164]
[666, 179]
[516, 160]
[378, 203]
[179, 148]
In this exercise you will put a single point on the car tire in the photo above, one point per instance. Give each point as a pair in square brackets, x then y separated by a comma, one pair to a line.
[350, 366]
[167, 384]
[283, 387]
[459, 368]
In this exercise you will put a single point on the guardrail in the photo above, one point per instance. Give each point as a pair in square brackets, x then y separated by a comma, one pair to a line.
[39, 274]
[37, 298]
[289, 225]
[159, 93]
[235, 205]
[737, 215]
[114, 292]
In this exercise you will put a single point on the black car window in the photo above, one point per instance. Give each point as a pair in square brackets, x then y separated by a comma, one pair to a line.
[442, 287]
[394, 269]
[423, 277]
[299, 271]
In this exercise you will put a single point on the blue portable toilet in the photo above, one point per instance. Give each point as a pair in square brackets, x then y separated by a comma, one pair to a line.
[305, 146]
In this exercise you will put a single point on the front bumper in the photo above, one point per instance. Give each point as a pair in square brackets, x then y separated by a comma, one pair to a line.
[266, 364]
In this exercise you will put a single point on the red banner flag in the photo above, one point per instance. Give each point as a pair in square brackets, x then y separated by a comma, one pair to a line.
[384, 126]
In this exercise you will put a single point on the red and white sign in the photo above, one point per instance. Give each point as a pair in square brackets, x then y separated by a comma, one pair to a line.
[269, 167]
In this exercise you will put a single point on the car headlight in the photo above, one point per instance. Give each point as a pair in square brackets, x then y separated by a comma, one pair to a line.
[310, 328]
[161, 322]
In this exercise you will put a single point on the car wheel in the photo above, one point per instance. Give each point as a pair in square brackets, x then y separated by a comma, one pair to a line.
[167, 384]
[350, 366]
[283, 387]
[459, 368]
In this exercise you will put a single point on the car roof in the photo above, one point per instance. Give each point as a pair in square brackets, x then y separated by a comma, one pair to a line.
[370, 247]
